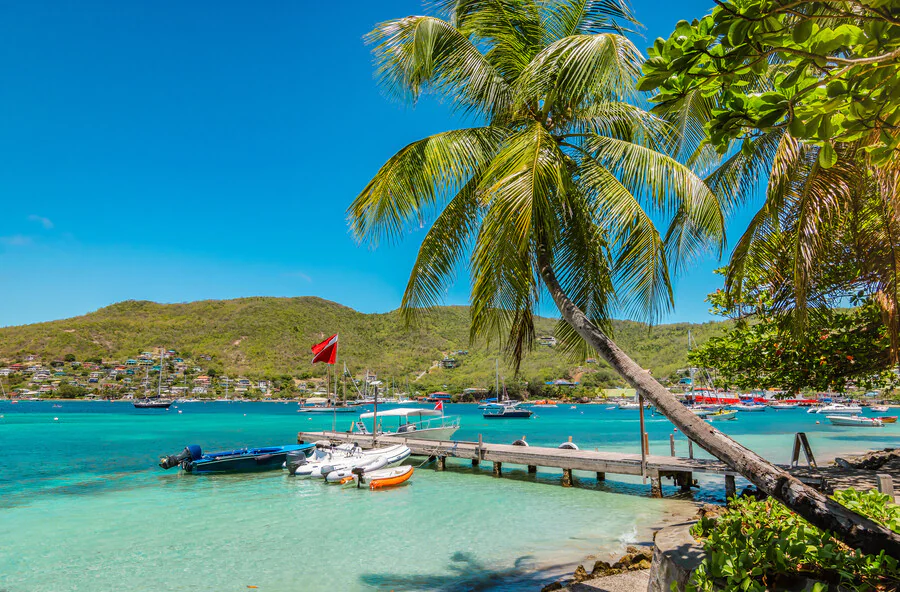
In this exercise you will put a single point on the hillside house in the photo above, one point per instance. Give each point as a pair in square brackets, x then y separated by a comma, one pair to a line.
[202, 380]
[449, 363]
[199, 390]
[547, 341]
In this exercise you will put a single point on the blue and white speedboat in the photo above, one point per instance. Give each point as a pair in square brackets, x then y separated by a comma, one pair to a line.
[242, 460]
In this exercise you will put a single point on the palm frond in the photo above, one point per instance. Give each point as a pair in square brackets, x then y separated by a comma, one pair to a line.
[640, 270]
[524, 192]
[418, 179]
[442, 248]
[583, 266]
[579, 70]
[509, 30]
[619, 120]
[698, 215]
[420, 53]
[563, 18]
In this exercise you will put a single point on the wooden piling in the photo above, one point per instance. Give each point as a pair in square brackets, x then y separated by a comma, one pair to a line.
[886, 485]
[672, 443]
[475, 462]
[690, 449]
[655, 486]
[441, 463]
[498, 468]
[601, 476]
[532, 469]
[567, 480]
[647, 443]
[730, 488]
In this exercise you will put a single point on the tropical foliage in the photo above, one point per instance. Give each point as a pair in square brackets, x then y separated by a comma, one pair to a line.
[801, 95]
[761, 545]
[839, 349]
[562, 164]
[826, 71]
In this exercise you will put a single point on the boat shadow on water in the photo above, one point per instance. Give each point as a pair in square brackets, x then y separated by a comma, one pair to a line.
[465, 572]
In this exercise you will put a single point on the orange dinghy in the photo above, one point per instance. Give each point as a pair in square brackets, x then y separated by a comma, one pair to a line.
[387, 477]
[888, 419]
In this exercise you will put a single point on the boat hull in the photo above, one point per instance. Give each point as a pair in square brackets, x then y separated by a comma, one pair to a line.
[152, 404]
[506, 414]
[842, 420]
[444, 433]
[388, 477]
[248, 461]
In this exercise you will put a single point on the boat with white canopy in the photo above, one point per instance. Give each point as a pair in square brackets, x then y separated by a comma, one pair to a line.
[414, 422]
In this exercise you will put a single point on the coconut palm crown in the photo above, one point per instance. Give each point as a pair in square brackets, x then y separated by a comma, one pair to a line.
[563, 165]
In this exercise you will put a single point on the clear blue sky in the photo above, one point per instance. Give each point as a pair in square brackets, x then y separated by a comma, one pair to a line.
[174, 151]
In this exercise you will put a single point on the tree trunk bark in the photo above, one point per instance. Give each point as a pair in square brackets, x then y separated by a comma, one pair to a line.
[855, 530]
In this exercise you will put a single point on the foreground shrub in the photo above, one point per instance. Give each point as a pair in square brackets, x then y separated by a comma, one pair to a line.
[761, 545]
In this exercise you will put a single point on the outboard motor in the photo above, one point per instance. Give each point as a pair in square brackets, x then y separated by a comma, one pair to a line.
[294, 460]
[190, 453]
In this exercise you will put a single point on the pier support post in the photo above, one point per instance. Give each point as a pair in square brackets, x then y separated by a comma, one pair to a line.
[532, 469]
[655, 486]
[647, 442]
[567, 478]
[498, 469]
[730, 488]
[601, 476]
[690, 449]
[441, 463]
[685, 480]
[475, 462]
[672, 443]
[886, 485]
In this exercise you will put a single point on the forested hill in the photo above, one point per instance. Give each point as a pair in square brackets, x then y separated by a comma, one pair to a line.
[272, 336]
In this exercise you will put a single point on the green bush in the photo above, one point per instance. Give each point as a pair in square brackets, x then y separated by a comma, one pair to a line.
[761, 545]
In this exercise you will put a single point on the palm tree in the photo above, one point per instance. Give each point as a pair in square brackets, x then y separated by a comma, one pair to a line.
[823, 235]
[557, 189]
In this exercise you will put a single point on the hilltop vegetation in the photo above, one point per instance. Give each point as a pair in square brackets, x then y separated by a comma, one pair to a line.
[262, 337]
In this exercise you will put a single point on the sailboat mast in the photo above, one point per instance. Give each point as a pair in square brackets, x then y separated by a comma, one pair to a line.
[691, 367]
[162, 353]
[497, 379]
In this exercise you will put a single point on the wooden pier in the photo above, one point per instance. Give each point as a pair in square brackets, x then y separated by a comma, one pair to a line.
[654, 467]
[681, 470]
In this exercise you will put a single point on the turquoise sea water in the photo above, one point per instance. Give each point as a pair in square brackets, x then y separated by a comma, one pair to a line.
[84, 507]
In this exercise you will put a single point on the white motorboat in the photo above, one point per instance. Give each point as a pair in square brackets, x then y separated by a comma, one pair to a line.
[854, 420]
[721, 415]
[837, 409]
[746, 408]
[783, 406]
[629, 405]
[879, 408]
[338, 475]
[345, 458]
[422, 424]
[700, 412]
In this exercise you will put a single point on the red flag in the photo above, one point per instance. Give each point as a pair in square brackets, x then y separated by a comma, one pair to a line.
[326, 351]
[439, 406]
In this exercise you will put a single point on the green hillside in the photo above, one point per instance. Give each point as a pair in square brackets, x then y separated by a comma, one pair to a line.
[272, 336]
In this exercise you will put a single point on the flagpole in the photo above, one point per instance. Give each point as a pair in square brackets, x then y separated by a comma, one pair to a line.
[337, 338]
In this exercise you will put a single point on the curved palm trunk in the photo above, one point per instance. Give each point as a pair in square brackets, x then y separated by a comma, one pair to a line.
[818, 509]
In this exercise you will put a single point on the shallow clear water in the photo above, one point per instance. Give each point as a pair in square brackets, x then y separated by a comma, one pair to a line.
[84, 507]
